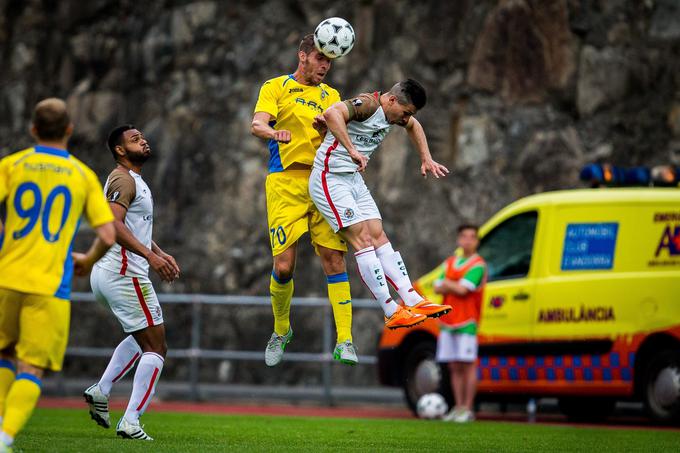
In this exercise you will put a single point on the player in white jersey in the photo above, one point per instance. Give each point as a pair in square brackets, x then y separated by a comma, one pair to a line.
[121, 280]
[356, 128]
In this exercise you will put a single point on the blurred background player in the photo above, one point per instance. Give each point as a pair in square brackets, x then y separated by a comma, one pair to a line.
[462, 285]
[121, 279]
[285, 115]
[356, 128]
[46, 190]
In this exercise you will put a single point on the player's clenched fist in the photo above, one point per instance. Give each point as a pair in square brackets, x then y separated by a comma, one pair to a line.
[282, 136]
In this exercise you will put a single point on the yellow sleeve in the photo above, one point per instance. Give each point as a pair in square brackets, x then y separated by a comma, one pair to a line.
[267, 101]
[425, 284]
[334, 96]
[97, 210]
[4, 179]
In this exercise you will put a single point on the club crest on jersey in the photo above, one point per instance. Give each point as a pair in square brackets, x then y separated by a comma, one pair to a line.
[324, 93]
[349, 213]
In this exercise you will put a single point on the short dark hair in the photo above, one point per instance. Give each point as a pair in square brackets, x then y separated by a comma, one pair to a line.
[467, 226]
[51, 119]
[410, 91]
[307, 44]
[116, 138]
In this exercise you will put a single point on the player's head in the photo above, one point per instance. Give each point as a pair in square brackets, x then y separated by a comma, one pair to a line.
[126, 142]
[403, 100]
[312, 64]
[467, 238]
[50, 121]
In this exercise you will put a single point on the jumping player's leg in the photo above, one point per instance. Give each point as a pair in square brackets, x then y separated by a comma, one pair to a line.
[333, 263]
[373, 276]
[281, 288]
[287, 210]
[397, 275]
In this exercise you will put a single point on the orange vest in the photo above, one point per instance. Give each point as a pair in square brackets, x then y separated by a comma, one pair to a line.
[465, 309]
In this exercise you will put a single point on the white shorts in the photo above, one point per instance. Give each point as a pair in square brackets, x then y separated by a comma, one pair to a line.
[342, 198]
[132, 299]
[456, 347]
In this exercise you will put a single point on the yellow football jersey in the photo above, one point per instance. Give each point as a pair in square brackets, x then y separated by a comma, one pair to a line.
[293, 107]
[45, 191]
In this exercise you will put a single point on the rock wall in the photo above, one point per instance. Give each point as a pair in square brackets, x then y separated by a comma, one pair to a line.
[521, 94]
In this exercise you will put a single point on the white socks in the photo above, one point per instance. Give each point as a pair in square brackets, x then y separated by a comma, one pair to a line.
[395, 270]
[144, 386]
[122, 361]
[372, 274]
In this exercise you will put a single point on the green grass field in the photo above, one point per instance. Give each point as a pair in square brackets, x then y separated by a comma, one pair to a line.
[66, 430]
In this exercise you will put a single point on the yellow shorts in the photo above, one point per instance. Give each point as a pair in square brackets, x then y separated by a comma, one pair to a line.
[37, 327]
[291, 213]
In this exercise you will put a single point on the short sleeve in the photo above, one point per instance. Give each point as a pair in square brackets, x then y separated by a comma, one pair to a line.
[120, 188]
[474, 277]
[333, 96]
[97, 210]
[267, 101]
[362, 107]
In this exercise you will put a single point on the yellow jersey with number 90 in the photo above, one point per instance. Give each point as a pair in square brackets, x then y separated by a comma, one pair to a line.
[45, 191]
[293, 107]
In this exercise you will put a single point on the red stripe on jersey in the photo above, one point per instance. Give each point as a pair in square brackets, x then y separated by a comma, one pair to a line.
[123, 267]
[148, 391]
[127, 367]
[142, 302]
[328, 154]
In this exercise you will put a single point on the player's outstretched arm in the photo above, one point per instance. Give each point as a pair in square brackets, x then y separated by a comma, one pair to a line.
[417, 135]
[83, 262]
[128, 240]
[260, 128]
[337, 117]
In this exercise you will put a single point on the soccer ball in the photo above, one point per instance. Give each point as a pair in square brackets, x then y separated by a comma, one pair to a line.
[334, 37]
[431, 406]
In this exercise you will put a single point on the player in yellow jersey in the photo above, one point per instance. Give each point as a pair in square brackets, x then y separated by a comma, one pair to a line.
[286, 115]
[46, 191]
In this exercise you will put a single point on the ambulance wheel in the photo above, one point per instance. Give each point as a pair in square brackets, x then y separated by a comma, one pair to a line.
[422, 374]
[661, 387]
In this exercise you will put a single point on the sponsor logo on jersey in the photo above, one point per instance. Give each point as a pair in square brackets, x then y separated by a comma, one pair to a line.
[311, 104]
[295, 90]
[114, 196]
[357, 102]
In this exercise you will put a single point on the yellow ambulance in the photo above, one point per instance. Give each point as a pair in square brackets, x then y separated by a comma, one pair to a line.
[582, 303]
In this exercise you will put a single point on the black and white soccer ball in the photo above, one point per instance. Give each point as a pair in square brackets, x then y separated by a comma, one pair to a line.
[431, 406]
[334, 37]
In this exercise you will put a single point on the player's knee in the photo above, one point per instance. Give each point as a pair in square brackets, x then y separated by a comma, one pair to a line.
[284, 270]
[333, 262]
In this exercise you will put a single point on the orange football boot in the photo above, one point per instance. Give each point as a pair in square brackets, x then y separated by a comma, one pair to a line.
[403, 318]
[427, 308]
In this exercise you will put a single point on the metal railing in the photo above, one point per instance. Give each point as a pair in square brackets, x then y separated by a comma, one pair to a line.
[194, 353]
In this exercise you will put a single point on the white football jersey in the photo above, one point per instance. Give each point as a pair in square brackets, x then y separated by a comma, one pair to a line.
[129, 189]
[366, 136]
